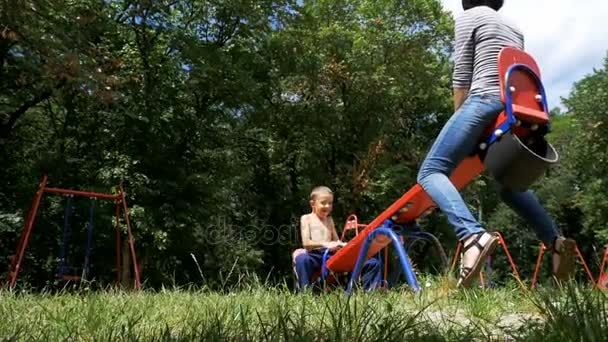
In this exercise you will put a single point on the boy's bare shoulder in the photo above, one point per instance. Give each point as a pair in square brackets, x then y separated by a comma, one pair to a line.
[306, 217]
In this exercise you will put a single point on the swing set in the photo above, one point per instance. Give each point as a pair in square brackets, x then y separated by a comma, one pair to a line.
[65, 272]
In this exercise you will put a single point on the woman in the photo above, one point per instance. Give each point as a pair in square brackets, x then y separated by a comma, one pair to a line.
[480, 35]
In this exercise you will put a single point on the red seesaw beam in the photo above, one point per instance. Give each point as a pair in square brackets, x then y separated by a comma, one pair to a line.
[410, 206]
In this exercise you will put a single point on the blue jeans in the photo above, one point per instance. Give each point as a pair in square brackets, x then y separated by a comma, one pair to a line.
[457, 139]
[308, 264]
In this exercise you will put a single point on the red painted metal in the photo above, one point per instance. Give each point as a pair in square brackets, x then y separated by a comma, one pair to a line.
[72, 278]
[526, 86]
[539, 260]
[81, 193]
[352, 223]
[25, 238]
[118, 246]
[602, 281]
[530, 115]
[131, 240]
[584, 264]
[501, 242]
[456, 256]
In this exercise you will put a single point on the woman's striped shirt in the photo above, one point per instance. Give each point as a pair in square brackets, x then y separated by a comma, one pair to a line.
[480, 35]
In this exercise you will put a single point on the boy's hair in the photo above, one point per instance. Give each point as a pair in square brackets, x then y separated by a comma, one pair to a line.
[494, 4]
[318, 191]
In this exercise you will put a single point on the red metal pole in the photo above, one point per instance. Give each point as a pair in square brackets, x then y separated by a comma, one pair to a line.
[14, 272]
[580, 256]
[599, 279]
[456, 256]
[131, 241]
[538, 262]
[13, 258]
[118, 245]
[352, 222]
[501, 240]
[82, 193]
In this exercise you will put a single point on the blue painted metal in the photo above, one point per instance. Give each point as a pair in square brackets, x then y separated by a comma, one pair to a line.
[386, 230]
[420, 235]
[511, 119]
[63, 267]
[413, 231]
[324, 270]
[87, 254]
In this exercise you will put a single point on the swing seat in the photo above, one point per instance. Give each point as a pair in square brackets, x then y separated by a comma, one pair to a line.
[70, 274]
[72, 278]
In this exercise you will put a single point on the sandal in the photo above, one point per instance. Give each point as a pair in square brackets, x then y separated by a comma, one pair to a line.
[467, 274]
[563, 258]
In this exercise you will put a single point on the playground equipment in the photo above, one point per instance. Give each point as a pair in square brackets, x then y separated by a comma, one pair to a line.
[513, 150]
[602, 278]
[539, 261]
[406, 236]
[514, 269]
[63, 269]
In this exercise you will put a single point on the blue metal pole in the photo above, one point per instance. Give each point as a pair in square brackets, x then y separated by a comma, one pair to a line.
[410, 276]
[324, 269]
[66, 235]
[87, 255]
[511, 119]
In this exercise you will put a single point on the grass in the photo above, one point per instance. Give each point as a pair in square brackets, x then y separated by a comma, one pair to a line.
[439, 313]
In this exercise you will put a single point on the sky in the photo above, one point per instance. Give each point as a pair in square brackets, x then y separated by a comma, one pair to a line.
[567, 38]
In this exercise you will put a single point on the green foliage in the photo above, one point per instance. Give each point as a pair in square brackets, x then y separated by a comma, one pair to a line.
[578, 315]
[587, 104]
[218, 117]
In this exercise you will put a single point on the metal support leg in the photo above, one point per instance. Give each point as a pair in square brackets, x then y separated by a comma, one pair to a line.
[539, 260]
[602, 267]
[403, 258]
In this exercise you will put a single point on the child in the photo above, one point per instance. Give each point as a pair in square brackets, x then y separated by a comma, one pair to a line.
[318, 235]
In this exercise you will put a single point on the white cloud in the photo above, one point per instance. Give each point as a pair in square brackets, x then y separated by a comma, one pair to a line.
[568, 38]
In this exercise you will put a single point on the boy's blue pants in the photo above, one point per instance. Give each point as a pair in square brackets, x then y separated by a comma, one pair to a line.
[311, 262]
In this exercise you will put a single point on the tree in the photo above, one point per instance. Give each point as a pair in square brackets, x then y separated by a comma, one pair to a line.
[587, 105]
